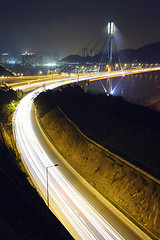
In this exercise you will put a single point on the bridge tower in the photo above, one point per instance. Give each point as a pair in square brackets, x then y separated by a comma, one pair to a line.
[111, 30]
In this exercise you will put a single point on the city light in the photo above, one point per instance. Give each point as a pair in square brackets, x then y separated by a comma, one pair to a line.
[50, 64]
[11, 62]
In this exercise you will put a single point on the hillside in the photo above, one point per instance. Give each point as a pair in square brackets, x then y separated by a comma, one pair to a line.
[5, 72]
[149, 53]
[129, 130]
[122, 127]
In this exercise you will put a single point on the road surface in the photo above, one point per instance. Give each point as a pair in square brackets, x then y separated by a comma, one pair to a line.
[80, 210]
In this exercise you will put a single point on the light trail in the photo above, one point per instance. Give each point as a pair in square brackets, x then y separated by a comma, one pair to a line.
[90, 77]
[122, 73]
[76, 214]
[82, 221]
[39, 84]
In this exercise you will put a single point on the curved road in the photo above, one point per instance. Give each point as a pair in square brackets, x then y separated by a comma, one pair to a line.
[80, 210]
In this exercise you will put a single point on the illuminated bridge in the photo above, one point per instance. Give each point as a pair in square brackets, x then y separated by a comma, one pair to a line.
[104, 68]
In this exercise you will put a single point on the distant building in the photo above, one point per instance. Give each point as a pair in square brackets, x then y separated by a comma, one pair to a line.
[55, 57]
[91, 53]
[29, 59]
[51, 58]
[84, 52]
[5, 57]
[18, 59]
[40, 60]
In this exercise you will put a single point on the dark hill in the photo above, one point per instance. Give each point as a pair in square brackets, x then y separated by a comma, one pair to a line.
[76, 59]
[5, 72]
[79, 59]
[149, 53]
[129, 129]
[128, 55]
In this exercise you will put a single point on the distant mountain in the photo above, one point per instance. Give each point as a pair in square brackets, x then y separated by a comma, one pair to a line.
[127, 55]
[76, 59]
[148, 54]
[5, 72]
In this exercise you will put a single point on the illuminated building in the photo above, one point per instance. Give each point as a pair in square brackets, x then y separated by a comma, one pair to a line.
[51, 58]
[84, 52]
[29, 59]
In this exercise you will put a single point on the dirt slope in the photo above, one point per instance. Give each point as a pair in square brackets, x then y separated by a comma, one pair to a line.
[134, 193]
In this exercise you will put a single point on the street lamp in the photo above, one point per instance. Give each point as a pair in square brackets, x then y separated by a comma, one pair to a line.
[47, 182]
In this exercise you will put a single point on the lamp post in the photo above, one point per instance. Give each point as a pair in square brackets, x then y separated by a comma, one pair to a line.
[47, 182]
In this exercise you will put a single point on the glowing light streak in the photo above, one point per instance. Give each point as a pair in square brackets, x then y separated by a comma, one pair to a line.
[87, 223]
[101, 76]
[103, 86]
[116, 85]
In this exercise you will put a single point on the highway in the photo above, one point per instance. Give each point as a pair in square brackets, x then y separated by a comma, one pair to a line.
[81, 211]
[29, 85]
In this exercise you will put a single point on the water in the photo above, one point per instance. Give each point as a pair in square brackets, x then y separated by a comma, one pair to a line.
[143, 88]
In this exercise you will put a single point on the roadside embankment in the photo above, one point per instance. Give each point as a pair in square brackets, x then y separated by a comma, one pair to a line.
[133, 193]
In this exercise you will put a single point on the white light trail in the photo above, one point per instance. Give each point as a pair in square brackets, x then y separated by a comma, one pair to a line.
[78, 216]
[75, 211]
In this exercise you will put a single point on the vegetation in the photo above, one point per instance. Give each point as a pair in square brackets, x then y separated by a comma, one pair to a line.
[127, 129]
[8, 101]
[23, 214]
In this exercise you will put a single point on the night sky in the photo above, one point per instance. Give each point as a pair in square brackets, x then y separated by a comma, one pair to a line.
[66, 26]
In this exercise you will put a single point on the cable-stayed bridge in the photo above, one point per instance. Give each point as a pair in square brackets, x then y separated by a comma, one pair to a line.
[103, 62]
[106, 64]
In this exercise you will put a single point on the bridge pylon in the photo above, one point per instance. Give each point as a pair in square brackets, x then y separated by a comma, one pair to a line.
[111, 30]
